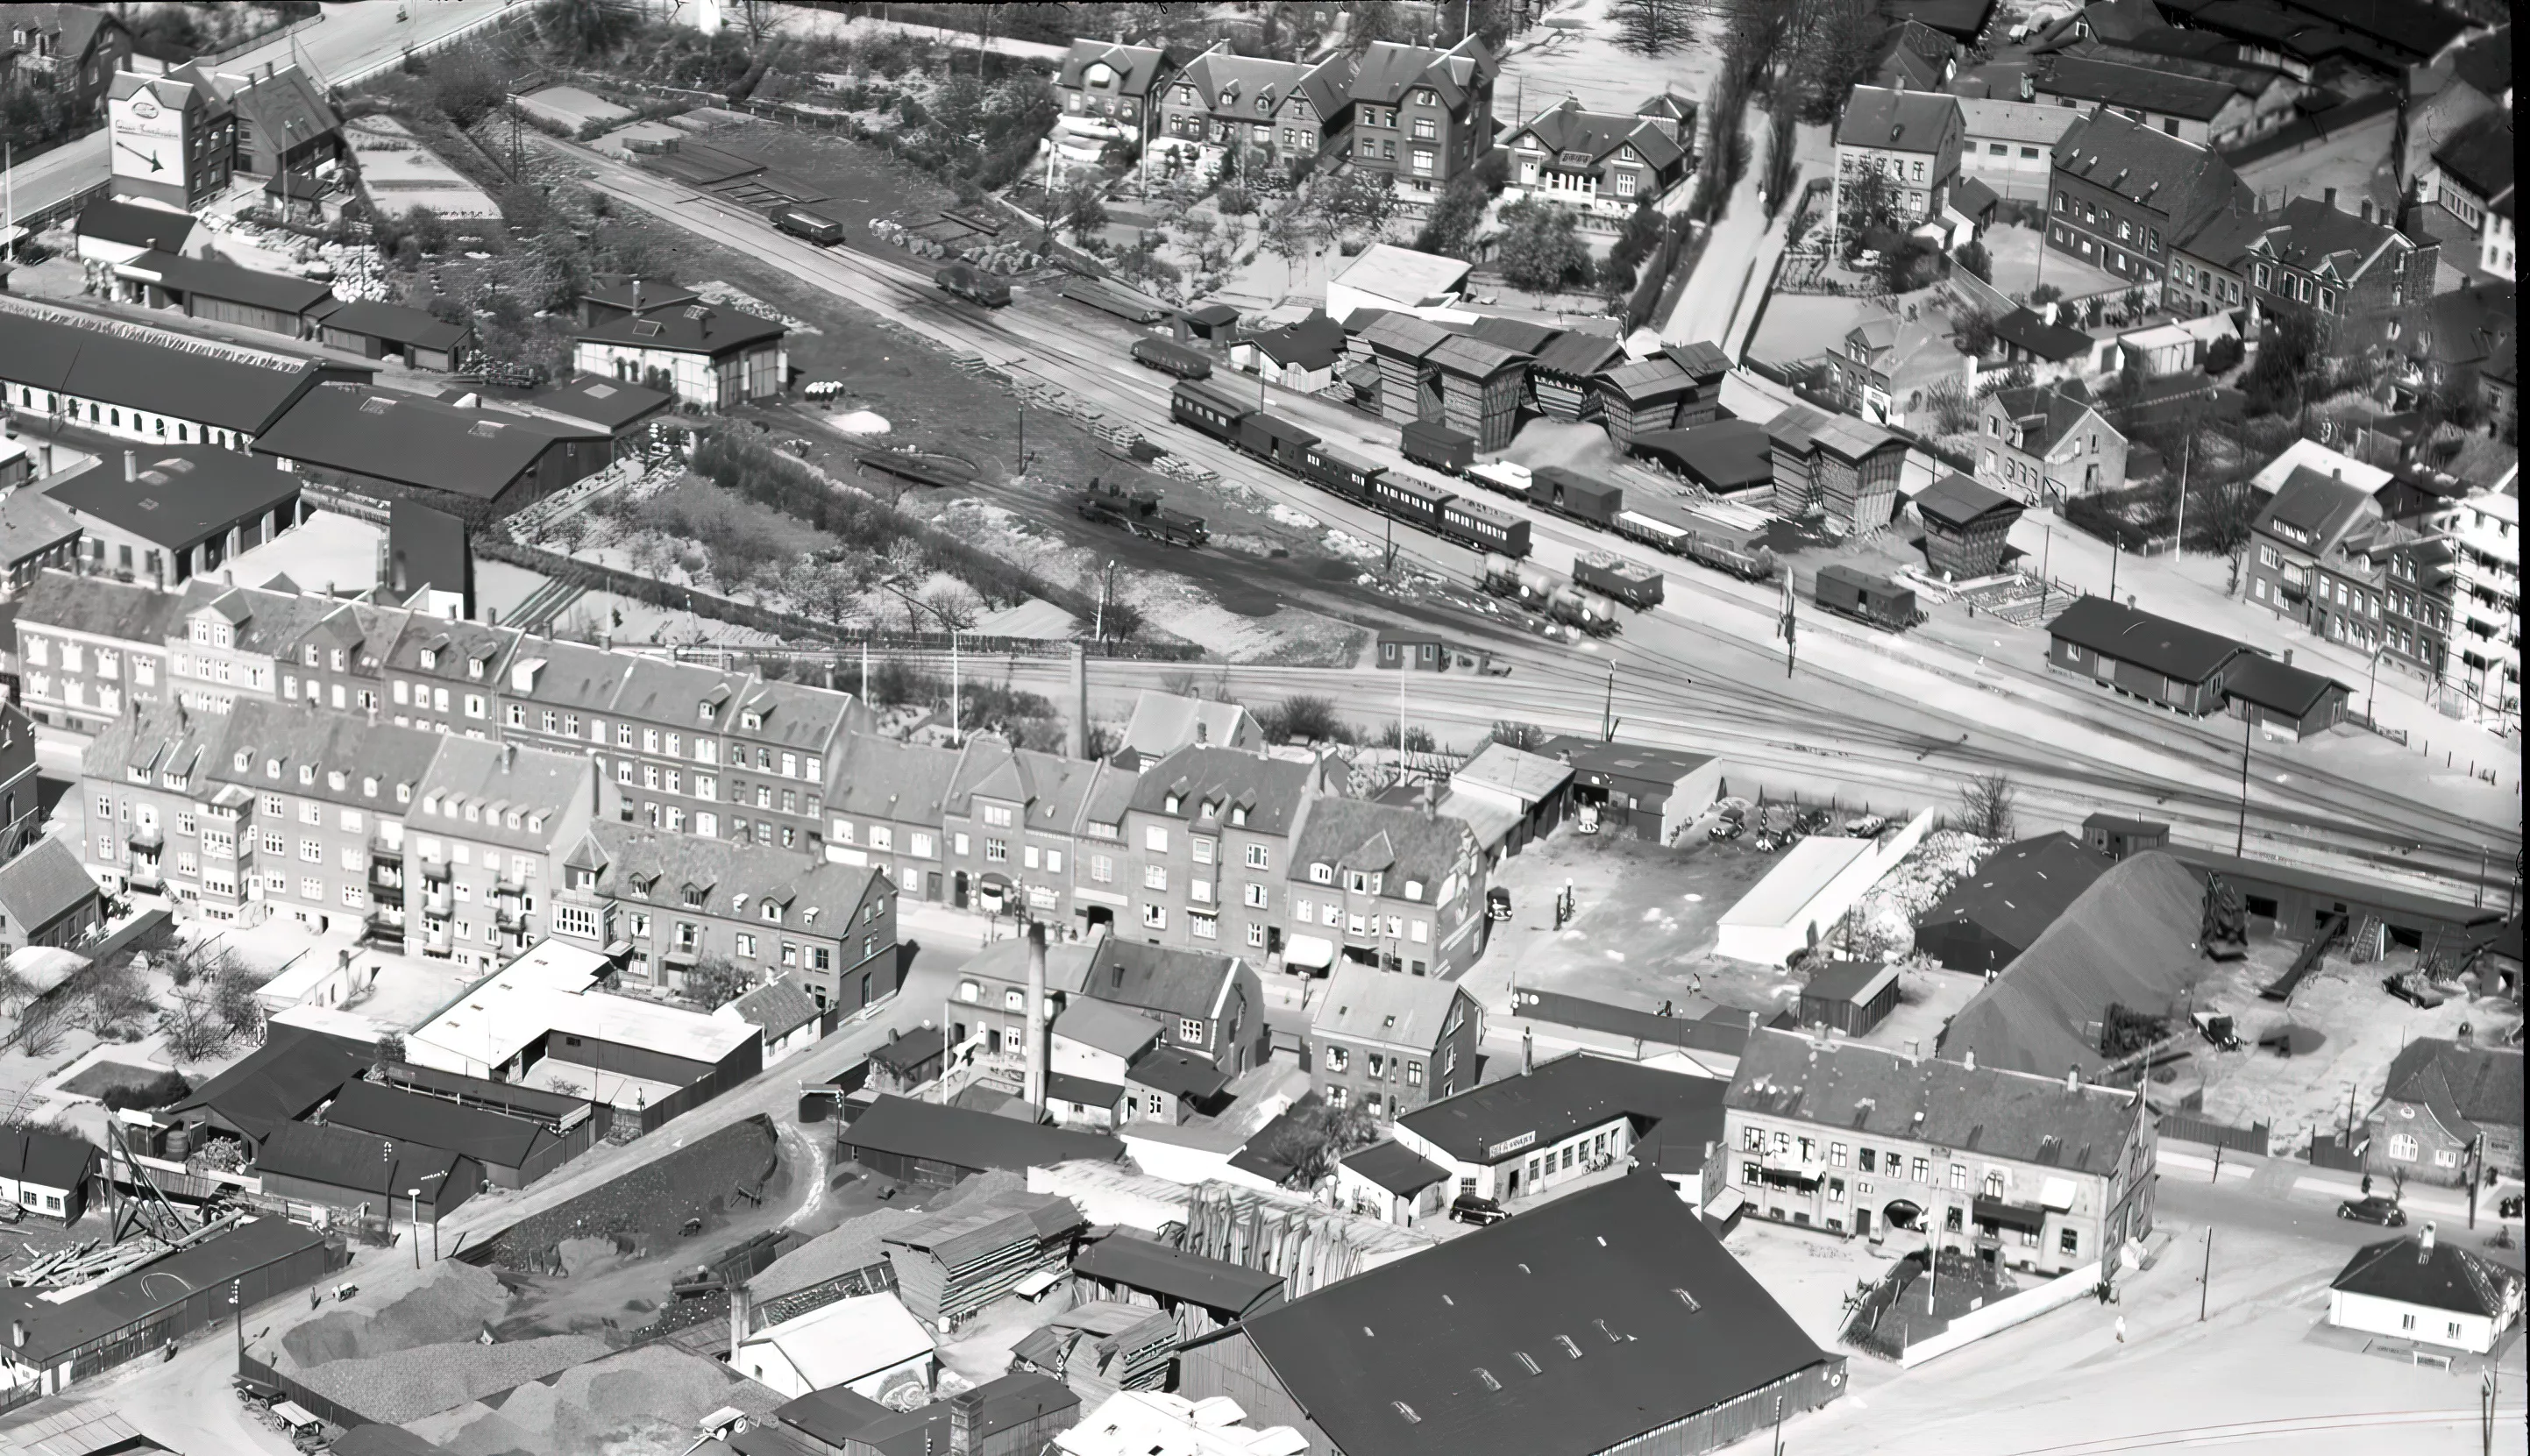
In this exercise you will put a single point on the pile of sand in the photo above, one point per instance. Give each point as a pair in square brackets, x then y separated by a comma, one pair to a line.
[452, 1301]
[861, 422]
[408, 1385]
[624, 1404]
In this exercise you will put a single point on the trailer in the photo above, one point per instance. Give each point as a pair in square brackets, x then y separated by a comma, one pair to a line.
[1114, 298]
[1170, 358]
[816, 227]
[1428, 442]
[1639, 587]
[918, 468]
[1502, 477]
[973, 285]
[1571, 493]
[1141, 513]
[1874, 600]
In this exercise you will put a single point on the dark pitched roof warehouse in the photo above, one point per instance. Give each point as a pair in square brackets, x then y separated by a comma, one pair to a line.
[346, 1159]
[487, 1137]
[2172, 649]
[181, 496]
[1572, 1328]
[695, 328]
[2277, 686]
[162, 373]
[415, 441]
[1148, 1264]
[2017, 894]
[964, 1138]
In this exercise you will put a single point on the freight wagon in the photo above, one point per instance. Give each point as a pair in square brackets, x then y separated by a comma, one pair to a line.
[1270, 437]
[1875, 600]
[1170, 358]
[817, 228]
[973, 285]
[1430, 442]
[1541, 591]
[1571, 493]
[1502, 477]
[1638, 587]
[1109, 298]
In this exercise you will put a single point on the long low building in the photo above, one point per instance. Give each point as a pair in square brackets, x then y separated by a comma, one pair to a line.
[361, 438]
[148, 385]
[1808, 890]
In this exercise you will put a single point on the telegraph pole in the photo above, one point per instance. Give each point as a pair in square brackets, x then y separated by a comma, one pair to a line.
[1784, 628]
[1608, 708]
[2240, 839]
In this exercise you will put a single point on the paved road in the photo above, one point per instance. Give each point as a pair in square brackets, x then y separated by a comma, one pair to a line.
[1902, 710]
[352, 43]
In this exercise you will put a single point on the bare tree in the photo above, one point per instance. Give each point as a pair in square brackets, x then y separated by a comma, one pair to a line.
[1312, 1140]
[1985, 805]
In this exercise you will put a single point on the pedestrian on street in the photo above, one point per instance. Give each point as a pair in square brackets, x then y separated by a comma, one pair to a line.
[2122, 1329]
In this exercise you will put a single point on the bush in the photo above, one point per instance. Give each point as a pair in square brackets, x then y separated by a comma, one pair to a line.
[159, 1091]
[2224, 355]
[1973, 256]
[1540, 248]
[1303, 717]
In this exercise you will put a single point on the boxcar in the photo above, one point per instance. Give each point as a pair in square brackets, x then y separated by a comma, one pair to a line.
[1428, 442]
[1502, 477]
[1480, 525]
[1655, 524]
[1334, 468]
[1865, 597]
[1210, 408]
[1170, 358]
[817, 228]
[1571, 493]
[1270, 437]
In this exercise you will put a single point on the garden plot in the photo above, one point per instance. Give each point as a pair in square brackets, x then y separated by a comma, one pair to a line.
[400, 174]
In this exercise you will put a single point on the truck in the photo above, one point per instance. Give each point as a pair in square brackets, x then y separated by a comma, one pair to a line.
[1141, 513]
[1639, 587]
[1873, 600]
[973, 285]
[816, 227]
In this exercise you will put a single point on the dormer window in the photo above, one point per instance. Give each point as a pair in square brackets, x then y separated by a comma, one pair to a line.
[1172, 803]
[773, 912]
[244, 760]
[694, 897]
[1239, 816]
[307, 774]
[404, 793]
[368, 786]
[336, 779]
[710, 713]
[429, 660]
[535, 824]
[750, 721]
[510, 820]
[1322, 874]
[474, 668]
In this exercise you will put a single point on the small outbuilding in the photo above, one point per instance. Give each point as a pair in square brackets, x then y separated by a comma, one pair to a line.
[2116, 836]
[1850, 996]
[47, 898]
[375, 331]
[2283, 700]
[1966, 527]
[867, 1344]
[1729, 456]
[2421, 1289]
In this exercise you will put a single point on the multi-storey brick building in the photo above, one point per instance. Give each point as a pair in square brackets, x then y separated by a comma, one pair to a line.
[1911, 139]
[446, 675]
[679, 901]
[141, 780]
[1421, 113]
[2045, 443]
[1391, 1043]
[2308, 523]
[1105, 88]
[1205, 838]
[231, 639]
[2124, 192]
[88, 649]
[490, 830]
[888, 800]
[2016, 1169]
[1248, 113]
[1389, 886]
[2361, 285]
[316, 802]
[338, 661]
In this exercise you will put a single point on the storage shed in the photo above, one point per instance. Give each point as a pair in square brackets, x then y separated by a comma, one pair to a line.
[2164, 663]
[1837, 465]
[224, 293]
[375, 330]
[1480, 387]
[1202, 1292]
[2116, 836]
[936, 1145]
[950, 1266]
[1563, 378]
[1410, 383]
[1727, 456]
[1850, 996]
[1966, 527]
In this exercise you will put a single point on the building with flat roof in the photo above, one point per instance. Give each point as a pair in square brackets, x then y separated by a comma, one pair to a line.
[1652, 792]
[1692, 1346]
[1522, 1136]
[1808, 890]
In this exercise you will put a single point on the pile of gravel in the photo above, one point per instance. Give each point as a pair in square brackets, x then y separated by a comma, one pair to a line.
[614, 1405]
[449, 1301]
[408, 1385]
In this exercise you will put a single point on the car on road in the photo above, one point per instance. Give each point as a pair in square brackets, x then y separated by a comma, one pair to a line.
[1470, 1208]
[2374, 1208]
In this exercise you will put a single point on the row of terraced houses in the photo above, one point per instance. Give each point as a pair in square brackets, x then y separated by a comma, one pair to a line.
[468, 788]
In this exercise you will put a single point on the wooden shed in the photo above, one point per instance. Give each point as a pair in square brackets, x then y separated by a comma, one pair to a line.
[950, 1266]
[1850, 996]
[1410, 383]
[2116, 836]
[2283, 700]
[1641, 397]
[1480, 387]
[1966, 527]
[1564, 375]
[1835, 465]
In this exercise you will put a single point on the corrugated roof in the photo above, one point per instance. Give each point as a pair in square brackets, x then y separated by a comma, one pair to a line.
[1630, 1314]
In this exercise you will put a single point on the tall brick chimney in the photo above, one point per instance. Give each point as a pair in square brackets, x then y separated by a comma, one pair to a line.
[1036, 1029]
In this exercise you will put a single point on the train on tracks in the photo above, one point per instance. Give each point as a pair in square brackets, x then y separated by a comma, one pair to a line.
[1700, 534]
[1141, 513]
[1297, 451]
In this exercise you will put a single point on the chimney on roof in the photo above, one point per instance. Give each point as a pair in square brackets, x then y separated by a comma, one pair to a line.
[130, 467]
[636, 296]
[964, 1409]
[1035, 1029]
[1969, 1060]
[2074, 1078]
[509, 756]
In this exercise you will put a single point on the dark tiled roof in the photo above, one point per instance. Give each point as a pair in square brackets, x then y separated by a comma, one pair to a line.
[2437, 1275]
[695, 328]
[1229, 1289]
[2056, 408]
[611, 403]
[2142, 88]
[42, 885]
[135, 225]
[2309, 233]
[1406, 844]
[1178, 1072]
[1517, 335]
[181, 496]
[281, 1080]
[415, 441]
[1154, 978]
[1592, 137]
[1578, 353]
[149, 369]
[1270, 789]
[1631, 1315]
[1387, 70]
[1396, 1168]
[964, 1138]
[2172, 649]
[780, 1007]
[2012, 897]
[282, 292]
[1724, 456]
[491, 1138]
[1562, 1097]
[2025, 329]
[2483, 1083]
[47, 1160]
[397, 324]
[355, 1162]
[1888, 119]
[1855, 1087]
[2179, 179]
[2481, 155]
[1957, 501]
[1136, 67]
[1376, 1005]
[2322, 508]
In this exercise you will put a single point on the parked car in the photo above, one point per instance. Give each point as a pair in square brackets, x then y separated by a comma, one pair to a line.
[1470, 1208]
[2374, 1209]
[2413, 989]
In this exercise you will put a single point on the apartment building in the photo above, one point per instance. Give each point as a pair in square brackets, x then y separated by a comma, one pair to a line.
[314, 802]
[2363, 284]
[1202, 853]
[141, 782]
[678, 900]
[91, 649]
[338, 661]
[1009, 827]
[1105, 88]
[2041, 1174]
[1600, 166]
[1388, 885]
[1210, 1005]
[491, 826]
[1389, 1043]
[2307, 523]
[228, 642]
[1913, 139]
[1421, 113]
[71, 52]
[889, 801]
[445, 676]
[1247, 112]
[2485, 664]
[2125, 192]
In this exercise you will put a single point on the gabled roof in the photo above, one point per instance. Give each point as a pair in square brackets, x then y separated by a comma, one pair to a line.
[494, 1139]
[1518, 334]
[180, 495]
[1589, 141]
[1232, 84]
[1887, 119]
[1154, 978]
[43, 883]
[1803, 430]
[33, 522]
[2277, 686]
[283, 292]
[996, 1406]
[538, 787]
[1405, 334]
[2025, 329]
[694, 328]
[1387, 70]
[280, 1081]
[1471, 356]
[2172, 649]
[145, 1295]
[223, 385]
[415, 441]
[2045, 413]
[1856, 1087]
[609, 403]
[47, 1160]
[1270, 791]
[2004, 120]
[2308, 233]
[1629, 1312]
[1578, 353]
[974, 1229]
[353, 762]
[964, 1138]
[2483, 1083]
[1136, 67]
[1570, 1093]
[837, 1344]
[1407, 845]
[2319, 510]
[1230, 1290]
[2102, 81]
[1396, 1168]
[2432, 1274]
[1178, 1072]
[356, 1161]
[2180, 180]
[1415, 279]
[2480, 154]
[1313, 343]
[396, 324]
[2016, 893]
[779, 1006]
[1367, 1004]
[1529, 778]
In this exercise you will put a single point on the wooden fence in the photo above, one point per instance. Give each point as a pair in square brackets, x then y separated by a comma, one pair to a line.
[2188, 1123]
